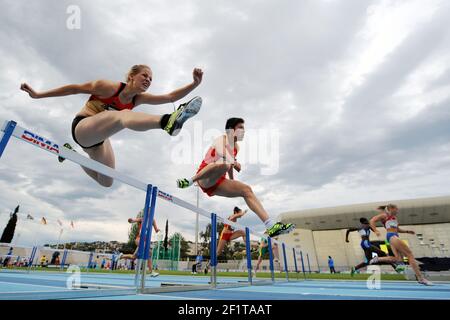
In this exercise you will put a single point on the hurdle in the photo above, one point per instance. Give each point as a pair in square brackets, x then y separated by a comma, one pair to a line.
[11, 129]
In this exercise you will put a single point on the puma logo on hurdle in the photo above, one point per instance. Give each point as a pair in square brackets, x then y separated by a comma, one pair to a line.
[165, 195]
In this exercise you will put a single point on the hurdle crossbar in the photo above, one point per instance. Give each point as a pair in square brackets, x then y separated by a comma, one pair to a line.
[58, 150]
[11, 129]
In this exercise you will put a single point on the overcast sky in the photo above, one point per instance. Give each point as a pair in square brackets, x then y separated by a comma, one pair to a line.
[347, 102]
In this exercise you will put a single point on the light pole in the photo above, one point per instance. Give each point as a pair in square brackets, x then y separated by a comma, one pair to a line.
[196, 223]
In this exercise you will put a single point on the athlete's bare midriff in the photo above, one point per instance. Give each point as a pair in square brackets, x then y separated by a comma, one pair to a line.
[90, 109]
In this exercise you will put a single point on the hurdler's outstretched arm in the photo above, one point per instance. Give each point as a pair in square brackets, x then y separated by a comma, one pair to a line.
[96, 87]
[348, 231]
[138, 220]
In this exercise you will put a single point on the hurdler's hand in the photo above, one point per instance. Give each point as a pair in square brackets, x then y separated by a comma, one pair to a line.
[197, 74]
[33, 94]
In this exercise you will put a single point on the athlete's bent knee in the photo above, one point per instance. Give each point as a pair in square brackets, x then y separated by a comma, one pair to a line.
[247, 191]
[106, 182]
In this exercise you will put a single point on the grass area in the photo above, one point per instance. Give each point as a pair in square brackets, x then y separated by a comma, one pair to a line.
[260, 275]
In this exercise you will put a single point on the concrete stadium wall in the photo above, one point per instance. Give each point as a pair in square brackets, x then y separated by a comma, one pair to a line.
[321, 244]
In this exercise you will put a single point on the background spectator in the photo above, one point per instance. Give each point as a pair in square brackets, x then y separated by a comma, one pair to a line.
[331, 264]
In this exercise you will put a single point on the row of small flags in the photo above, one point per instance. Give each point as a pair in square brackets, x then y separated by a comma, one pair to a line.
[44, 221]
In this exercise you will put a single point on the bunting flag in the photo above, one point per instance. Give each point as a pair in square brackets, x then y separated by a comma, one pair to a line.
[43, 221]
[30, 217]
[71, 224]
[59, 222]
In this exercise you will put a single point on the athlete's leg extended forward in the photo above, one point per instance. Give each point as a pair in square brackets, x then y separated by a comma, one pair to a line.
[233, 189]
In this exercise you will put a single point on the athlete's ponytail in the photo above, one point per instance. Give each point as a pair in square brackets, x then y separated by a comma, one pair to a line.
[387, 208]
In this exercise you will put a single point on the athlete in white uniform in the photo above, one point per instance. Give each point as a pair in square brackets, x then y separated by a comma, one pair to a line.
[389, 219]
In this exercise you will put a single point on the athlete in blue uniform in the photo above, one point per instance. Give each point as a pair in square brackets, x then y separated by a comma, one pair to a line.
[368, 247]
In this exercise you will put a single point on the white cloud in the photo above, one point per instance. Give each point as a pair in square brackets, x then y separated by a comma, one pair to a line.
[357, 89]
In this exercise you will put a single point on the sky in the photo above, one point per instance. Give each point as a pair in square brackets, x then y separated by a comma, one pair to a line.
[344, 102]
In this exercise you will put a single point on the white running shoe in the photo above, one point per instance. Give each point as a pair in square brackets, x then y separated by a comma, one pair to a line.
[425, 282]
[374, 260]
[183, 113]
[154, 274]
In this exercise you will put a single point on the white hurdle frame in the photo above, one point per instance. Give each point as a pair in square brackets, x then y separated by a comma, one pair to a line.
[11, 129]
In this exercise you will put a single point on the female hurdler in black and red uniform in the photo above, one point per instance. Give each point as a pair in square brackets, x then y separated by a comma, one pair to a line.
[108, 111]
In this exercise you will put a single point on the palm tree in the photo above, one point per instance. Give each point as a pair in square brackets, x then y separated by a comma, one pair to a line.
[8, 232]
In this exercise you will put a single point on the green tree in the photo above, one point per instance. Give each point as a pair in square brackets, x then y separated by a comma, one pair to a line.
[166, 238]
[205, 236]
[8, 232]
[238, 246]
[184, 245]
[239, 251]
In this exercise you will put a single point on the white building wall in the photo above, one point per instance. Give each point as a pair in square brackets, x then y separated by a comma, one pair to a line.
[321, 244]
[302, 240]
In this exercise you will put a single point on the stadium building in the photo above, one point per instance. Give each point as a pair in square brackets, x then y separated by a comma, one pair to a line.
[321, 232]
